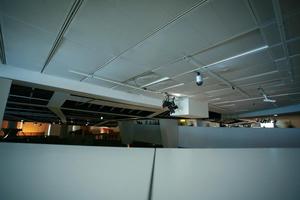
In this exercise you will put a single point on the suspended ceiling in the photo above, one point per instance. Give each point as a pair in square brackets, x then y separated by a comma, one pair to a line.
[118, 44]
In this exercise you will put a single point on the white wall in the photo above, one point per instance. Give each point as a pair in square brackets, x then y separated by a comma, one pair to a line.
[139, 132]
[227, 174]
[208, 137]
[49, 172]
[4, 92]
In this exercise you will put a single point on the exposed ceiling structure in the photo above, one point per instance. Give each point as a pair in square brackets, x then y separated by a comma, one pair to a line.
[33, 104]
[145, 48]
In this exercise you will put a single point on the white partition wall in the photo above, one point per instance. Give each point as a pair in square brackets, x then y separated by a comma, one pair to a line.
[208, 137]
[58, 172]
[227, 174]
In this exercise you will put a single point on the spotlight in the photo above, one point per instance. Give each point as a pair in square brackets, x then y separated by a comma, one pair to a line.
[199, 79]
[169, 103]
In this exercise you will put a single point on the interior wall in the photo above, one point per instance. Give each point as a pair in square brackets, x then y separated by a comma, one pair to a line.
[83, 172]
[48, 172]
[227, 174]
[208, 137]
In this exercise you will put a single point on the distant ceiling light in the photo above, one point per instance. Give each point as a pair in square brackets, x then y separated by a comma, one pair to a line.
[155, 82]
[199, 79]
[101, 117]
[173, 86]
[176, 94]
[239, 55]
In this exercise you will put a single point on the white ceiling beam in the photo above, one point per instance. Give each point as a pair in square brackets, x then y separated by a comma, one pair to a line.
[24, 75]
[55, 103]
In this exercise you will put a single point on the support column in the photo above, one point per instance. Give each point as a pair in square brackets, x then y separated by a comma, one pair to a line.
[4, 92]
[169, 132]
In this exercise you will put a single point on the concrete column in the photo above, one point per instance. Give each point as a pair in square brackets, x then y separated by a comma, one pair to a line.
[126, 131]
[169, 132]
[4, 92]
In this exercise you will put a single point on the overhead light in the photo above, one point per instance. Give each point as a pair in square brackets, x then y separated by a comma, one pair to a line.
[101, 117]
[173, 86]
[155, 82]
[224, 60]
[199, 79]
[177, 94]
[239, 55]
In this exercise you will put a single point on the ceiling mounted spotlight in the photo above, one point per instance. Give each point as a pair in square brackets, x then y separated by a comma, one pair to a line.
[199, 79]
[169, 103]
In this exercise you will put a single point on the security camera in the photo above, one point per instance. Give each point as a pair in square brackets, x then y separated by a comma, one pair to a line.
[199, 79]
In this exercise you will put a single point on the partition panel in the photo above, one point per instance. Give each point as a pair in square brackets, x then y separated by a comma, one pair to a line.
[48, 172]
[227, 174]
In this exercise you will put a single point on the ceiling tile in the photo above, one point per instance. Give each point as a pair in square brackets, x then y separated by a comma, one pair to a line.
[25, 45]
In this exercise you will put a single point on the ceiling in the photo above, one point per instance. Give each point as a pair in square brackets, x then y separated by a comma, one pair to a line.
[125, 45]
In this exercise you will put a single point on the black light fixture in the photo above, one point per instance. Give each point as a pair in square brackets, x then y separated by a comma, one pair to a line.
[169, 103]
[199, 79]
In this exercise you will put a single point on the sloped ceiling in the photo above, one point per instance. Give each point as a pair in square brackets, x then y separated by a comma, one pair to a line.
[127, 41]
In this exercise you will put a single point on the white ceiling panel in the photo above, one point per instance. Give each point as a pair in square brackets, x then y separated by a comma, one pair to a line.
[251, 60]
[194, 32]
[234, 47]
[60, 69]
[271, 33]
[292, 26]
[294, 47]
[289, 7]
[100, 82]
[47, 15]
[114, 26]
[25, 46]
[78, 57]
[122, 70]
[263, 10]
[162, 85]
[174, 68]
[276, 52]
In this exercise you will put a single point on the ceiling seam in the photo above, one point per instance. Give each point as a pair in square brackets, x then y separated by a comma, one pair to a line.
[71, 14]
[2, 49]
[255, 17]
[281, 28]
[160, 28]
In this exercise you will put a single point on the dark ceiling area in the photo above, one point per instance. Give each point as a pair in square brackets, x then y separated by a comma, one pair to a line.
[31, 104]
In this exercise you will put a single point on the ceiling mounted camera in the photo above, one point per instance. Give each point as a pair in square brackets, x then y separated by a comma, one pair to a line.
[199, 79]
